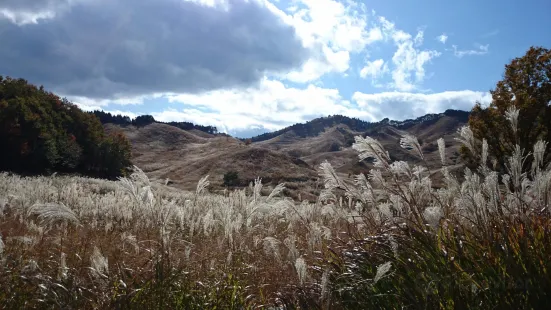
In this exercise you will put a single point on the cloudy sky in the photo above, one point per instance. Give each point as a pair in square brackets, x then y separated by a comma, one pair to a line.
[250, 66]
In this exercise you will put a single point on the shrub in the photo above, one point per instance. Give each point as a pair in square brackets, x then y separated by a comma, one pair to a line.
[231, 178]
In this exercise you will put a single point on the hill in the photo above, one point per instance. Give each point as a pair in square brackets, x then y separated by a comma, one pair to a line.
[184, 156]
[290, 155]
[333, 142]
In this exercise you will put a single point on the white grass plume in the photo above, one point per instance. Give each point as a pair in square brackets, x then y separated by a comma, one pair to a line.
[512, 116]
[202, 185]
[382, 270]
[442, 150]
[51, 213]
[302, 270]
[467, 138]
[371, 148]
[410, 142]
[99, 263]
[276, 191]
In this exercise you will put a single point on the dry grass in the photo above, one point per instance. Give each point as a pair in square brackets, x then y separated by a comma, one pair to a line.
[147, 232]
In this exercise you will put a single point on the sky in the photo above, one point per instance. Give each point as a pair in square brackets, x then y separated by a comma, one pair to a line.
[252, 66]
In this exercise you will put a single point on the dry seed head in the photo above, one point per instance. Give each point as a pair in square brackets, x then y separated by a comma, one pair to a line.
[442, 150]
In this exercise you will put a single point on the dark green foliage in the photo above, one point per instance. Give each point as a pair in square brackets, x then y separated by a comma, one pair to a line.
[40, 133]
[143, 120]
[317, 126]
[231, 178]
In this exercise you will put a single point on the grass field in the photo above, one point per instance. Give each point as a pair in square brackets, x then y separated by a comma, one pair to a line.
[386, 240]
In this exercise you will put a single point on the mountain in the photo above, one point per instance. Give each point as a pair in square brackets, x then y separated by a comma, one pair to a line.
[184, 156]
[290, 155]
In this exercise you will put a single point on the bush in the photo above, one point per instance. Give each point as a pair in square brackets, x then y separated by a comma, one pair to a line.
[231, 178]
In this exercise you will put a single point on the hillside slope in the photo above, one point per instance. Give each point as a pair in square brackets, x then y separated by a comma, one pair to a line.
[334, 143]
[182, 156]
[291, 155]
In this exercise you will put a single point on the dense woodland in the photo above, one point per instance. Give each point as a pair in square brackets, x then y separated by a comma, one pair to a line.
[42, 133]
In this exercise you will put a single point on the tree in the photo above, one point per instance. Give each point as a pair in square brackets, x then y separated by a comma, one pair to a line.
[230, 178]
[143, 120]
[526, 86]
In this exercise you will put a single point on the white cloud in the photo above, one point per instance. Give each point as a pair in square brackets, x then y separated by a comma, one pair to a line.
[271, 104]
[90, 102]
[442, 38]
[374, 69]
[481, 50]
[409, 61]
[333, 30]
[403, 105]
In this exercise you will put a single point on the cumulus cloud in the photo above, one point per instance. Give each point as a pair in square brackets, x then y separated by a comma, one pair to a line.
[481, 50]
[227, 63]
[442, 38]
[403, 105]
[271, 104]
[332, 30]
[374, 69]
[108, 49]
[409, 60]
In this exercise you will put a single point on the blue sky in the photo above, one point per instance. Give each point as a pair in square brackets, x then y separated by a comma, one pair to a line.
[253, 66]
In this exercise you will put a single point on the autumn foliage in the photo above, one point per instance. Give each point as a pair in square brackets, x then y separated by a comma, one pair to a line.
[40, 133]
[526, 86]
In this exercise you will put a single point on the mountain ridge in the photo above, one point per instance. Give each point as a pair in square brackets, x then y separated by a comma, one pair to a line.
[291, 155]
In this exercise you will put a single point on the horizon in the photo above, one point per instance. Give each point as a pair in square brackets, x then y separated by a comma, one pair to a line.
[308, 121]
[250, 67]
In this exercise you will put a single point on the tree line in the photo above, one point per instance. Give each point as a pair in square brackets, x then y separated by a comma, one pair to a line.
[143, 120]
[42, 133]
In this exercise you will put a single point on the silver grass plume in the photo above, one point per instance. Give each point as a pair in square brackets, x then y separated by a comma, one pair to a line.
[512, 116]
[466, 138]
[539, 152]
[276, 191]
[51, 213]
[202, 185]
[300, 266]
[410, 142]
[484, 158]
[257, 189]
[99, 263]
[371, 148]
[330, 177]
[514, 167]
[399, 168]
[442, 150]
[382, 270]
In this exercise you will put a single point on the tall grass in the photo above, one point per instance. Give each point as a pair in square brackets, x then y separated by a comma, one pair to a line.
[385, 240]
[482, 243]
